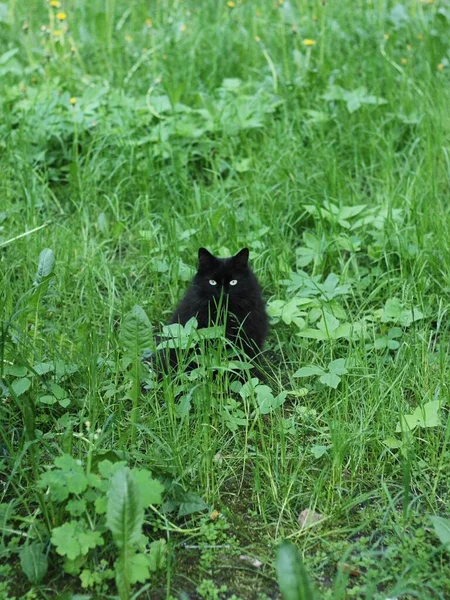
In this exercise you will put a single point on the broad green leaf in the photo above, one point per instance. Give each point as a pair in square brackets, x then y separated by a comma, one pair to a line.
[136, 331]
[392, 442]
[328, 324]
[265, 398]
[319, 451]
[15, 370]
[33, 561]
[314, 334]
[124, 512]
[191, 503]
[57, 391]
[442, 529]
[45, 265]
[338, 366]
[309, 371]
[423, 416]
[330, 379]
[20, 386]
[353, 98]
[292, 576]
[48, 400]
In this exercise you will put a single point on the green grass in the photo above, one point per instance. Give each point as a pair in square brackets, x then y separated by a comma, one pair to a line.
[198, 124]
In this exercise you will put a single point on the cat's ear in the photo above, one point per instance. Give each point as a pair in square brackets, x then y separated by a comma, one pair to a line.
[205, 258]
[241, 258]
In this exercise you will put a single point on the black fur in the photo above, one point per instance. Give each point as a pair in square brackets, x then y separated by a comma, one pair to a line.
[247, 322]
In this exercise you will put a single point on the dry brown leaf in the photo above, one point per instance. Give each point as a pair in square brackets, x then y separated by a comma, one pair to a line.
[254, 562]
[308, 517]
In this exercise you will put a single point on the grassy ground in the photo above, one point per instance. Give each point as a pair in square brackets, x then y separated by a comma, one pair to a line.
[318, 135]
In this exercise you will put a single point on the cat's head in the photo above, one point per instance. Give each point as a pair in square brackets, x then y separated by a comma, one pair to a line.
[229, 276]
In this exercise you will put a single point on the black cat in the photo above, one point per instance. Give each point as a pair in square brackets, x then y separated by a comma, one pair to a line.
[230, 284]
[224, 291]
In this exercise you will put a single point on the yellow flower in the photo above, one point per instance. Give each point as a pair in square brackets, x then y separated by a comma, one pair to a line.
[55, 3]
[183, 27]
[404, 61]
[440, 67]
[72, 100]
[309, 42]
[148, 22]
[231, 4]
[61, 16]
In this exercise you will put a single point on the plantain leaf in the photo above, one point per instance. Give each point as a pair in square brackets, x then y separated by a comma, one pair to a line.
[136, 331]
[293, 578]
[442, 529]
[124, 511]
[34, 561]
[45, 266]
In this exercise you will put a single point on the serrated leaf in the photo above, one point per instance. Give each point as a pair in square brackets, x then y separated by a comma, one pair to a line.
[65, 540]
[124, 512]
[20, 386]
[45, 265]
[34, 562]
[73, 473]
[89, 540]
[293, 579]
[136, 331]
[157, 556]
[68, 478]
[76, 507]
[150, 490]
[138, 568]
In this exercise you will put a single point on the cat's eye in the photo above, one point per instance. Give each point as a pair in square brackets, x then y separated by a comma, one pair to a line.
[212, 282]
[233, 282]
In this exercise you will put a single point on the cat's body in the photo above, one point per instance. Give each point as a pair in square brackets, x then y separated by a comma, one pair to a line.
[226, 286]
